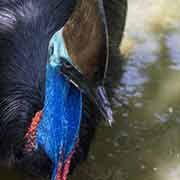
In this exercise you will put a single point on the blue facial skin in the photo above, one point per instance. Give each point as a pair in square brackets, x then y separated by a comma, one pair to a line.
[58, 130]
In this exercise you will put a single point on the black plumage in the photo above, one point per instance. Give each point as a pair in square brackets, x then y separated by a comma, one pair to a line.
[25, 30]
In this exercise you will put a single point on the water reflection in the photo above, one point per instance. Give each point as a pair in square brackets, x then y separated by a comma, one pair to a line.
[144, 142]
[173, 43]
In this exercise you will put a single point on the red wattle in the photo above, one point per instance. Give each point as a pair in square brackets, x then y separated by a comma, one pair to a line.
[63, 171]
[31, 134]
[30, 137]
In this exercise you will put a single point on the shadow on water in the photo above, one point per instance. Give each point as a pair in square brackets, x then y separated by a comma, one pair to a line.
[144, 141]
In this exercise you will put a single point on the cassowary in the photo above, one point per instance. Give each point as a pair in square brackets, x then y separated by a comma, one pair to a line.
[51, 82]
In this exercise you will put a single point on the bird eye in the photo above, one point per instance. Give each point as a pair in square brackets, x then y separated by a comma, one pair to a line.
[51, 50]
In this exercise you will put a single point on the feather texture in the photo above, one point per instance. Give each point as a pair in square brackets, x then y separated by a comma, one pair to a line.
[25, 30]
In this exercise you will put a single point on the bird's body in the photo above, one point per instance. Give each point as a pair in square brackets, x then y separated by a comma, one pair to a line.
[33, 79]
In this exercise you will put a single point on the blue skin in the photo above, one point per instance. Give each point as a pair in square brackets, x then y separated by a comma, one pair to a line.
[58, 130]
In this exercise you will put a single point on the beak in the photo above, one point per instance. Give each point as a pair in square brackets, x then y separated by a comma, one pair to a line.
[96, 94]
[104, 104]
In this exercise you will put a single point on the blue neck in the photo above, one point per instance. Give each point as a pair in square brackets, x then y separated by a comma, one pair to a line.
[58, 130]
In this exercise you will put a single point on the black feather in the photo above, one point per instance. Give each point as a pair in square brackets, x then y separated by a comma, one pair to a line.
[25, 30]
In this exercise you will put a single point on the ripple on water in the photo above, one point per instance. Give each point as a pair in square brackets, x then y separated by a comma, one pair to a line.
[144, 141]
[173, 43]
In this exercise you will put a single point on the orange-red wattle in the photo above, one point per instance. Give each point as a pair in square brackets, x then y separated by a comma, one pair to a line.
[30, 137]
[31, 134]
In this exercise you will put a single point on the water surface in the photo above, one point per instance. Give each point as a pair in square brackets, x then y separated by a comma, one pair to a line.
[144, 142]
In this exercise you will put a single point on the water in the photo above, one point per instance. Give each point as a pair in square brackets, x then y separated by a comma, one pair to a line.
[144, 141]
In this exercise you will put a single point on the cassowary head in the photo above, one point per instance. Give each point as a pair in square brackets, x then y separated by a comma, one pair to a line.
[41, 86]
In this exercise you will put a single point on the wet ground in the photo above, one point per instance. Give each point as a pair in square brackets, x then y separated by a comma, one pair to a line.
[144, 143]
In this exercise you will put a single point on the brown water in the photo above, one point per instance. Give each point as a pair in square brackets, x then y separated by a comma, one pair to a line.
[144, 143]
